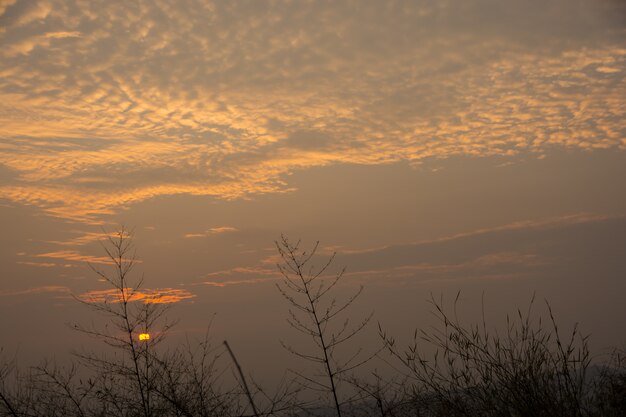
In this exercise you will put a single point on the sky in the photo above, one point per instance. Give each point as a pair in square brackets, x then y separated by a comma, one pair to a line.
[435, 146]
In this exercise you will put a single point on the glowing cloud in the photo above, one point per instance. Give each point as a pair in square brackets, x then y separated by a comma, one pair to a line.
[212, 231]
[147, 296]
[103, 110]
[69, 255]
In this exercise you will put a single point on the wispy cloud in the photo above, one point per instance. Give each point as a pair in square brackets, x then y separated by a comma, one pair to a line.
[55, 289]
[85, 238]
[544, 249]
[244, 270]
[535, 224]
[44, 264]
[147, 296]
[545, 223]
[74, 256]
[237, 282]
[59, 35]
[212, 231]
[239, 276]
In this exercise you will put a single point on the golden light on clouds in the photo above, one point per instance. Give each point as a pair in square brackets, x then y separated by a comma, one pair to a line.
[146, 296]
[101, 111]
[70, 255]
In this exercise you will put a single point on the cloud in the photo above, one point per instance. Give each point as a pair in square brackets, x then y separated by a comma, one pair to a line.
[522, 250]
[244, 270]
[44, 264]
[225, 278]
[37, 290]
[237, 282]
[104, 110]
[536, 224]
[212, 231]
[147, 296]
[22, 13]
[556, 249]
[74, 256]
[4, 4]
[494, 265]
[60, 35]
[85, 238]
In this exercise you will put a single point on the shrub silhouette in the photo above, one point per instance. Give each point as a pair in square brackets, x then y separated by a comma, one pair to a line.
[315, 313]
[135, 377]
[530, 369]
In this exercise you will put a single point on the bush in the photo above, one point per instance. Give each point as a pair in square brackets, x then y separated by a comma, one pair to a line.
[530, 369]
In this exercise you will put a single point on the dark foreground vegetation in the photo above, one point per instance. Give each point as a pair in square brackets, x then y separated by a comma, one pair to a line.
[529, 369]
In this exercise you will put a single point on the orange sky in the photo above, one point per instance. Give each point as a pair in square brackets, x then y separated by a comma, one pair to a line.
[435, 145]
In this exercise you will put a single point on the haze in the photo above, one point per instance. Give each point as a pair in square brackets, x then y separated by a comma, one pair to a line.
[436, 146]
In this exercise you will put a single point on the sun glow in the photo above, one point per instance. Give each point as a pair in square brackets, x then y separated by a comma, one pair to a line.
[144, 336]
